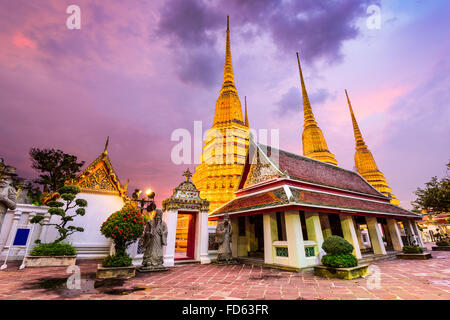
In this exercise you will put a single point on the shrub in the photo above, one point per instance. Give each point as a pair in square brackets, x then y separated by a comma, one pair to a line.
[54, 249]
[124, 227]
[412, 249]
[339, 261]
[443, 243]
[117, 260]
[337, 245]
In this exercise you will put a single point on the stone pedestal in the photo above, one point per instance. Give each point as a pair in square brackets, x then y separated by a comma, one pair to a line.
[152, 269]
[115, 272]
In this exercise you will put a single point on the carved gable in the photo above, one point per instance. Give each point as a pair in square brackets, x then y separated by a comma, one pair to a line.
[99, 180]
[261, 170]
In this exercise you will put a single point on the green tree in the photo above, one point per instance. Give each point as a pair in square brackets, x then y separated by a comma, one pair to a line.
[55, 166]
[58, 208]
[435, 197]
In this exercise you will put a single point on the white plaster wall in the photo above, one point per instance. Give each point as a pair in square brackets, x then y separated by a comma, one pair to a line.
[91, 243]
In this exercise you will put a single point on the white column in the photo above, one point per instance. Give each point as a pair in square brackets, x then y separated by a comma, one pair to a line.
[294, 234]
[417, 233]
[348, 229]
[376, 236]
[314, 229]
[394, 232]
[12, 230]
[170, 218]
[203, 237]
[325, 223]
[270, 235]
[359, 236]
[8, 218]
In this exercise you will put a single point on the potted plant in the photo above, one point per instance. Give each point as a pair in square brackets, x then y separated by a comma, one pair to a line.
[413, 253]
[123, 227]
[442, 245]
[339, 262]
[58, 252]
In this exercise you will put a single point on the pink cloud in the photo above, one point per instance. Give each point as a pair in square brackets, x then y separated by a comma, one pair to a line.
[21, 41]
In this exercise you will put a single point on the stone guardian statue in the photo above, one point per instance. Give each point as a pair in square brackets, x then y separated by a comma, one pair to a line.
[223, 238]
[7, 191]
[154, 238]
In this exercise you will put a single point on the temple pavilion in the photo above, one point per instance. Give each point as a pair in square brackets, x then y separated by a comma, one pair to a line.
[281, 205]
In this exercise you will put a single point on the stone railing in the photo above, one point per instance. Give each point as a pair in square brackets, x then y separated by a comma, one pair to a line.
[20, 217]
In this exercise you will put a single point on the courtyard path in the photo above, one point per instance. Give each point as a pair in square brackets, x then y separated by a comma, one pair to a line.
[399, 279]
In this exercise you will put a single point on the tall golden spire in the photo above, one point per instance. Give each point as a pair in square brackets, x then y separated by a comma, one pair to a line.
[314, 144]
[246, 115]
[228, 105]
[365, 163]
[226, 143]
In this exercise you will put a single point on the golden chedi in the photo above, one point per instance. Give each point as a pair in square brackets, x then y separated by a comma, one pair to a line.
[365, 163]
[226, 142]
[314, 144]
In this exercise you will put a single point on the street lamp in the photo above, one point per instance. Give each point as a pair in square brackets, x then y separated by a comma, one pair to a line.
[151, 199]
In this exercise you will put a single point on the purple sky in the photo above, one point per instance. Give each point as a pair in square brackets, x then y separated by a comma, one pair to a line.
[137, 70]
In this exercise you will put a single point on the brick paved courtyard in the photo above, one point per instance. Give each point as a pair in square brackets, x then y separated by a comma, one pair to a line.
[400, 279]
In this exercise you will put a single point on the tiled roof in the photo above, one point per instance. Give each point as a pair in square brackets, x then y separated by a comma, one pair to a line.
[315, 198]
[314, 171]
[304, 198]
[256, 201]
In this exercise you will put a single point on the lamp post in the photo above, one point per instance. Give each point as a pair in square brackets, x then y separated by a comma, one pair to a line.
[142, 202]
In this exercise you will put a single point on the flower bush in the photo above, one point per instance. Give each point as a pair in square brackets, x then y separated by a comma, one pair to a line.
[339, 253]
[123, 227]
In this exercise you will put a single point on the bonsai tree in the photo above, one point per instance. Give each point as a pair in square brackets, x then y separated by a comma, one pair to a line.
[339, 253]
[60, 209]
[123, 227]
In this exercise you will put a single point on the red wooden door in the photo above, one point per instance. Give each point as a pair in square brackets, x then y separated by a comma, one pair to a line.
[191, 237]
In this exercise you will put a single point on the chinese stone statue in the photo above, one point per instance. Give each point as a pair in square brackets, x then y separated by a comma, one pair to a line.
[223, 238]
[154, 238]
[7, 191]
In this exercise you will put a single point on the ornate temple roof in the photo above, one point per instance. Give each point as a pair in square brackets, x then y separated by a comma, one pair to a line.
[186, 196]
[100, 177]
[278, 179]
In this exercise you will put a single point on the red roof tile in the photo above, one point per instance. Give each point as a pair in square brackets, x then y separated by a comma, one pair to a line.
[310, 170]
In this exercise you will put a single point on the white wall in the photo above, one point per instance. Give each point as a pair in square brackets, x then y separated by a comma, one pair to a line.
[91, 243]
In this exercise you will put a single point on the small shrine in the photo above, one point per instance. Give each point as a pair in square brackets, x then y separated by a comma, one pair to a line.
[186, 216]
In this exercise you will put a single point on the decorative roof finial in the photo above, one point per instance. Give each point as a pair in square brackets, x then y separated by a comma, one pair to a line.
[187, 174]
[105, 152]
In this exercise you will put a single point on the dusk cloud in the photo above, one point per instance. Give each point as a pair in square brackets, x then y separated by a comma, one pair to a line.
[315, 28]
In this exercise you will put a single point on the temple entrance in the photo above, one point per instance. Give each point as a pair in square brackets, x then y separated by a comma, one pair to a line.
[185, 236]
[257, 231]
